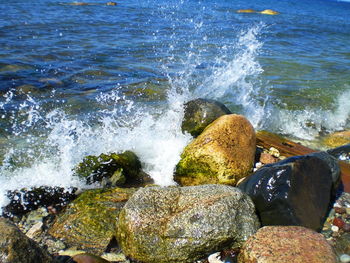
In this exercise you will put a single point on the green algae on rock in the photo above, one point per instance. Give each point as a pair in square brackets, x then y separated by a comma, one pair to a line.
[184, 224]
[89, 221]
[199, 113]
[223, 153]
[112, 169]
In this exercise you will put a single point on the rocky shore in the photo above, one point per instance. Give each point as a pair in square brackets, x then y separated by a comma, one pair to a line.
[242, 196]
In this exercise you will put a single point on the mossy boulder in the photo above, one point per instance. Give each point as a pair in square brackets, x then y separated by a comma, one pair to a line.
[199, 113]
[184, 224]
[89, 221]
[223, 153]
[16, 247]
[112, 169]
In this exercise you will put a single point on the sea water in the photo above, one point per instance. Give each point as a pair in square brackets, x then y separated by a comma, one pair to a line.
[79, 80]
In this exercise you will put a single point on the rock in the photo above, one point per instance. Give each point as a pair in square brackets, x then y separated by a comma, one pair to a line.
[111, 3]
[199, 113]
[183, 224]
[25, 200]
[223, 153]
[78, 3]
[90, 218]
[88, 258]
[267, 158]
[295, 191]
[337, 139]
[342, 244]
[269, 12]
[341, 153]
[112, 169]
[280, 244]
[345, 258]
[15, 247]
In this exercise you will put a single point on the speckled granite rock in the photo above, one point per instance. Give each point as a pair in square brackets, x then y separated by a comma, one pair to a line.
[281, 244]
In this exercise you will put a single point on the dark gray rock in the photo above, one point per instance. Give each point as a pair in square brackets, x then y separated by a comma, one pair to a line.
[199, 113]
[184, 224]
[341, 153]
[25, 200]
[296, 191]
[15, 247]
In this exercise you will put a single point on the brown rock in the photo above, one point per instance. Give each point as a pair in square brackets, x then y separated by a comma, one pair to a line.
[15, 247]
[223, 153]
[88, 258]
[280, 244]
[266, 158]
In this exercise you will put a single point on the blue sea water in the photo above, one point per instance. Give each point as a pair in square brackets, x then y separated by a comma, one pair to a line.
[77, 80]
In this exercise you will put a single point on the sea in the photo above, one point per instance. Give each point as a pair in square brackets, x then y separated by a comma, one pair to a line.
[78, 80]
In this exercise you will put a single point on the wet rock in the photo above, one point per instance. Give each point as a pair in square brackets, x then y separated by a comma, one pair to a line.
[111, 3]
[295, 191]
[199, 113]
[26, 200]
[223, 153]
[112, 170]
[88, 258]
[183, 224]
[341, 153]
[90, 219]
[337, 139]
[342, 244]
[246, 11]
[15, 247]
[280, 244]
[267, 158]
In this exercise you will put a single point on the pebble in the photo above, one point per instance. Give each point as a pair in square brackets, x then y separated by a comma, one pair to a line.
[335, 228]
[338, 222]
[345, 258]
[340, 210]
[274, 152]
[215, 258]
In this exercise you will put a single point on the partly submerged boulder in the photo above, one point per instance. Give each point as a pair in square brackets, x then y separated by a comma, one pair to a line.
[341, 153]
[89, 221]
[26, 200]
[223, 153]
[16, 247]
[184, 224]
[337, 139]
[112, 169]
[280, 244]
[295, 191]
[199, 113]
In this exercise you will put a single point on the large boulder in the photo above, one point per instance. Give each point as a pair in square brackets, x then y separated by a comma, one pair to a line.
[223, 153]
[280, 244]
[184, 224]
[199, 113]
[16, 247]
[90, 218]
[295, 191]
[112, 169]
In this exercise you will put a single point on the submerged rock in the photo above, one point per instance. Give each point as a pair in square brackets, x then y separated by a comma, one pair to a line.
[337, 139]
[15, 247]
[269, 12]
[223, 153]
[199, 113]
[89, 221]
[184, 224]
[246, 11]
[295, 191]
[26, 200]
[280, 244]
[112, 169]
